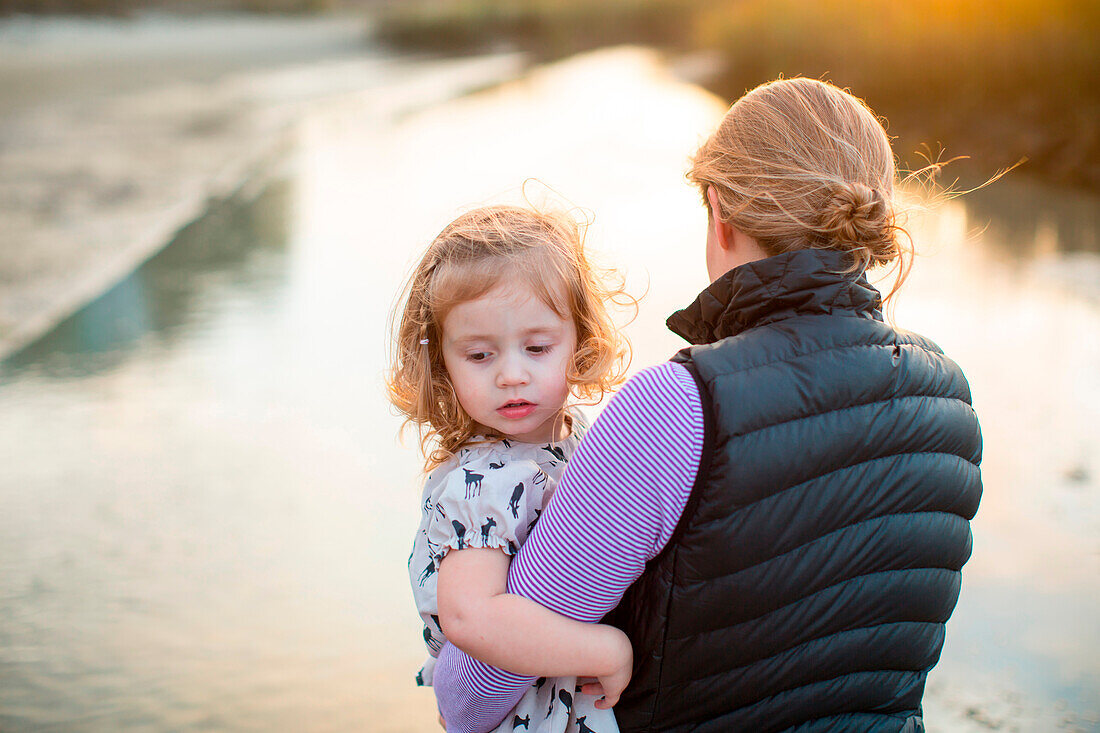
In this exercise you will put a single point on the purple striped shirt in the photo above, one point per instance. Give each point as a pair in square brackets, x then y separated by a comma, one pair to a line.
[614, 509]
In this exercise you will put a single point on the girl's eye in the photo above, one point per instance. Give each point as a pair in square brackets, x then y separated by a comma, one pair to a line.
[477, 356]
[538, 349]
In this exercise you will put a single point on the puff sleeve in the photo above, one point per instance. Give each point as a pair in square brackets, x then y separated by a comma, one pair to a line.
[490, 499]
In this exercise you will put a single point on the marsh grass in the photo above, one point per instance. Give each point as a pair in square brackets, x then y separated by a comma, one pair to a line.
[995, 81]
[548, 28]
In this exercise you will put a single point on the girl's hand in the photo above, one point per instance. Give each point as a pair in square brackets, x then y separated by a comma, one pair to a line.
[608, 687]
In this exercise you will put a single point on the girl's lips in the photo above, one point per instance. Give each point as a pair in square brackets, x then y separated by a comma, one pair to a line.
[516, 411]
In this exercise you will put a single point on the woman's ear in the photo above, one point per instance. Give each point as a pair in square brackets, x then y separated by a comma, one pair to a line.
[727, 246]
[723, 237]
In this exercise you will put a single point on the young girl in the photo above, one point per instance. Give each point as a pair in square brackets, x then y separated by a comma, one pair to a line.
[504, 319]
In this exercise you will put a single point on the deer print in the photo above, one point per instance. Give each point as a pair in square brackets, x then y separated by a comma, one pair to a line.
[566, 698]
[473, 483]
[539, 478]
[433, 547]
[427, 505]
[555, 451]
[512, 549]
[442, 514]
[489, 524]
[583, 728]
[551, 708]
[428, 572]
[460, 532]
[539, 683]
[420, 678]
[434, 644]
[495, 466]
[532, 524]
[525, 721]
[507, 443]
[513, 503]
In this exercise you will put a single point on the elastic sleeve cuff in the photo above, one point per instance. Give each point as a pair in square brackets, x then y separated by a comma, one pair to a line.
[492, 543]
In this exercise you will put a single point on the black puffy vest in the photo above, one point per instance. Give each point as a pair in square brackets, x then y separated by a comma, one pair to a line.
[807, 584]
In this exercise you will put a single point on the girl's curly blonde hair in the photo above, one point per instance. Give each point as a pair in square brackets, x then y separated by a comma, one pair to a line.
[471, 256]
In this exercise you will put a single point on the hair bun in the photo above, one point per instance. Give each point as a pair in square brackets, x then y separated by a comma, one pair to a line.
[857, 219]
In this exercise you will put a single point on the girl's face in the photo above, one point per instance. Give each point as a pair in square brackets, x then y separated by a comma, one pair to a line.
[508, 354]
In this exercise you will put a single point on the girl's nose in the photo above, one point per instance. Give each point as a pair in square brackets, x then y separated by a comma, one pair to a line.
[512, 372]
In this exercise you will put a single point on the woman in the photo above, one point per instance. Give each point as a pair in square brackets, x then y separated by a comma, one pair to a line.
[780, 514]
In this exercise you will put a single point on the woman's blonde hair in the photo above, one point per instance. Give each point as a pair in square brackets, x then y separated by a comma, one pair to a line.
[798, 164]
[543, 251]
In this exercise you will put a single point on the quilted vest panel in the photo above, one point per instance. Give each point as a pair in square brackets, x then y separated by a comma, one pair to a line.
[808, 582]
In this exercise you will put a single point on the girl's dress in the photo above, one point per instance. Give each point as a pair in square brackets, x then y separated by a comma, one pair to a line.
[490, 494]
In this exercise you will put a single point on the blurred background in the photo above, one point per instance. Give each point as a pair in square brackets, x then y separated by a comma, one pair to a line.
[207, 210]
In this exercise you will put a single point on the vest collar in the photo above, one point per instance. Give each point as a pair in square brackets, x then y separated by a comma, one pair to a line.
[802, 282]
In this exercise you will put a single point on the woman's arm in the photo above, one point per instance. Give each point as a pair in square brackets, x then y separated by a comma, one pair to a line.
[615, 508]
[481, 618]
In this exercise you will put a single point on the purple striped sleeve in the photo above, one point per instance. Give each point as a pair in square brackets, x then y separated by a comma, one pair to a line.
[615, 508]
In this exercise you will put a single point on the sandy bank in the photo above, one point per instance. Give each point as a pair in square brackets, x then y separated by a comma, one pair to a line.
[115, 134]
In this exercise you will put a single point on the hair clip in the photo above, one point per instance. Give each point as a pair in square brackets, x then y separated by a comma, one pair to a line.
[423, 342]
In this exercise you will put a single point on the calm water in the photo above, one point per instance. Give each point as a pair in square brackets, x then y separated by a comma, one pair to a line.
[205, 514]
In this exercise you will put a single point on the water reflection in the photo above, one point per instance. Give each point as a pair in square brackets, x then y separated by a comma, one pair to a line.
[1032, 221]
[238, 247]
[205, 516]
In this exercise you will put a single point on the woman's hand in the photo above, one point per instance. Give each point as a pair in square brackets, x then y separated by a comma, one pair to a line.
[609, 686]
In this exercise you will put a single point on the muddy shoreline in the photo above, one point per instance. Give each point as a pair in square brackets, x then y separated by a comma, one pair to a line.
[115, 134]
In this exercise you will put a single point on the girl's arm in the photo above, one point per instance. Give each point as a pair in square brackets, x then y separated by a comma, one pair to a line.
[615, 508]
[481, 618]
